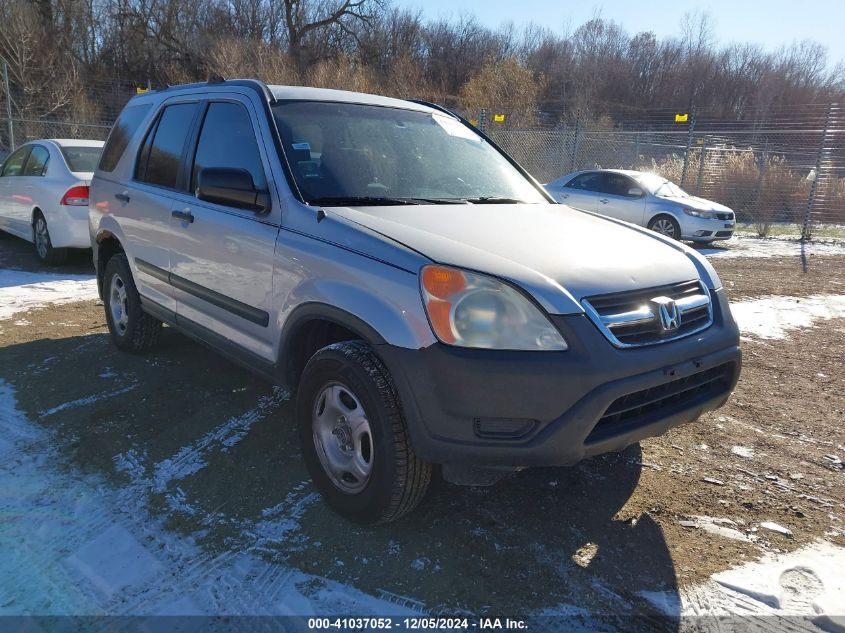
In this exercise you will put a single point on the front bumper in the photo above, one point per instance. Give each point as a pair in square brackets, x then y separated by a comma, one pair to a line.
[706, 230]
[458, 401]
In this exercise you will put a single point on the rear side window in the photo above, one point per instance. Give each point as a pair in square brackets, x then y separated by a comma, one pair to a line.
[587, 182]
[82, 159]
[161, 154]
[36, 164]
[121, 134]
[228, 140]
[14, 164]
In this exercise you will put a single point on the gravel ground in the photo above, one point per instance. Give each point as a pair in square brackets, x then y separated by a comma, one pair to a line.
[209, 452]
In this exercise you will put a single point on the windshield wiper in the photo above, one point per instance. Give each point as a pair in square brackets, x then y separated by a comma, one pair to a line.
[364, 201]
[494, 200]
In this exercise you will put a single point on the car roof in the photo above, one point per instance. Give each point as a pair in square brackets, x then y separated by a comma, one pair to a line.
[290, 93]
[74, 142]
[304, 93]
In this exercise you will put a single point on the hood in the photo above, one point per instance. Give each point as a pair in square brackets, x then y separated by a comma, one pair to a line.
[556, 253]
[700, 204]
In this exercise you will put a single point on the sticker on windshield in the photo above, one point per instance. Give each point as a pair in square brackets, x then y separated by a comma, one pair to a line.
[454, 127]
[302, 146]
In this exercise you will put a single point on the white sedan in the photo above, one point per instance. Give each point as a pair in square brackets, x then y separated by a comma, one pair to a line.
[44, 195]
[645, 199]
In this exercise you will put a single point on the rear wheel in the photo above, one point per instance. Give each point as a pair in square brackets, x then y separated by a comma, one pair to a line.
[131, 329]
[354, 437]
[48, 255]
[666, 225]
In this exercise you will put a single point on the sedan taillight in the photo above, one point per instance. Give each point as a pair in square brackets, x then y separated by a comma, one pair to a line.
[76, 197]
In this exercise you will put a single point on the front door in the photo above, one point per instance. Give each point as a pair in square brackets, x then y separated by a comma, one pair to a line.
[617, 198]
[221, 258]
[581, 192]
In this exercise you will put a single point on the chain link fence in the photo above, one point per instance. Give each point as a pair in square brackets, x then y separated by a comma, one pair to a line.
[783, 165]
[786, 167]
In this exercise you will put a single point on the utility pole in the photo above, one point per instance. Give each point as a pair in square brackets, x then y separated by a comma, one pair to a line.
[690, 132]
[8, 106]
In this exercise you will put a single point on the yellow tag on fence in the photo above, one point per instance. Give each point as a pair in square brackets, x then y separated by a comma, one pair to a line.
[140, 91]
[499, 118]
[681, 118]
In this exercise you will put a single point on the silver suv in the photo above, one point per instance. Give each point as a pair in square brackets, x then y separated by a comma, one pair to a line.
[422, 295]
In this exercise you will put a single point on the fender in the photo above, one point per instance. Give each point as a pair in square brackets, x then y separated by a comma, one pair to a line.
[397, 317]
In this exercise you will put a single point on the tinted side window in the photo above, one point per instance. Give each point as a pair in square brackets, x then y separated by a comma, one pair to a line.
[159, 159]
[228, 140]
[36, 164]
[587, 182]
[616, 184]
[14, 165]
[123, 131]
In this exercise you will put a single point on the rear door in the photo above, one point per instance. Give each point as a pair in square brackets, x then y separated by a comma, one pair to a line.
[616, 201]
[11, 194]
[148, 198]
[32, 189]
[221, 258]
[582, 191]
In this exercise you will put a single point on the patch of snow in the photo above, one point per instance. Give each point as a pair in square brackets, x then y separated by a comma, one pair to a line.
[743, 451]
[84, 402]
[776, 527]
[807, 582]
[114, 558]
[773, 317]
[21, 291]
[742, 246]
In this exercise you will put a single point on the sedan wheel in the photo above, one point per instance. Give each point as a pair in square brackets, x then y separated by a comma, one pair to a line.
[42, 238]
[667, 226]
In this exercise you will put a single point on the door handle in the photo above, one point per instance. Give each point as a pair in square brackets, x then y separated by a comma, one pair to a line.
[184, 215]
[604, 200]
[564, 195]
[123, 197]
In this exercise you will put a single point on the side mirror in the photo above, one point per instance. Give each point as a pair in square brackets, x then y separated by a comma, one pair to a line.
[231, 187]
[635, 192]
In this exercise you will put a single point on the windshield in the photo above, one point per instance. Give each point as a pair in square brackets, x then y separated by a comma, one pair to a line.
[659, 186]
[82, 158]
[346, 153]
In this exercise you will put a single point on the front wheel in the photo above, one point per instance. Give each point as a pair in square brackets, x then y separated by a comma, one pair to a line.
[354, 438]
[666, 225]
[48, 255]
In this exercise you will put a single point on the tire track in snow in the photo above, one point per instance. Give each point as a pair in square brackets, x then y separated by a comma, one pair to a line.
[191, 459]
[84, 402]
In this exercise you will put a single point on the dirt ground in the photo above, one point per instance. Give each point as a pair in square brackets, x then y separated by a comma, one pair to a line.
[615, 525]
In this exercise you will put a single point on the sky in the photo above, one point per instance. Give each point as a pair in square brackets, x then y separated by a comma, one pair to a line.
[770, 23]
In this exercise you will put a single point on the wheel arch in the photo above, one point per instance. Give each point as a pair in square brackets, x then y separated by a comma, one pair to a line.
[107, 245]
[310, 327]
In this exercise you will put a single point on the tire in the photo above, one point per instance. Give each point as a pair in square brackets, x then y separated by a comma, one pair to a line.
[48, 255]
[668, 224]
[347, 387]
[132, 329]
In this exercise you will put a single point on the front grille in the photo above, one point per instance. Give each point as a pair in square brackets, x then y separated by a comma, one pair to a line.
[725, 216]
[650, 405]
[724, 233]
[632, 319]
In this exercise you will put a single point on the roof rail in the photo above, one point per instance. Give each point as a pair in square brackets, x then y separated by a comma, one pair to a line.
[216, 81]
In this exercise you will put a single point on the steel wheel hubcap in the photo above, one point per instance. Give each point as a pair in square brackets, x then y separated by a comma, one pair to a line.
[665, 227]
[42, 237]
[342, 438]
[117, 305]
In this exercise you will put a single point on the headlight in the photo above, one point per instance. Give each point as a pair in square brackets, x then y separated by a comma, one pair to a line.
[471, 310]
[707, 215]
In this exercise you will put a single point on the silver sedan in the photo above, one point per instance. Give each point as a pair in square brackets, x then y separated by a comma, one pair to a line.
[645, 199]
